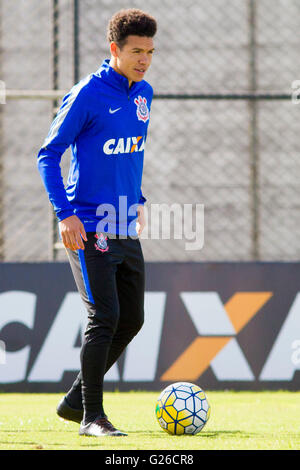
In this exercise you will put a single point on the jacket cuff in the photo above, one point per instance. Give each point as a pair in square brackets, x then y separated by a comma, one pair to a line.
[61, 215]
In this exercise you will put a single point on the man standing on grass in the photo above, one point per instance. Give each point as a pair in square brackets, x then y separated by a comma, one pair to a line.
[104, 118]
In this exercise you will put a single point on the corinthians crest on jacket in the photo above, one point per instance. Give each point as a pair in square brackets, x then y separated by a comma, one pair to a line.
[142, 110]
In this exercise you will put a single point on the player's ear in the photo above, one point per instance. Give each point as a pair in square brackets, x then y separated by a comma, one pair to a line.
[114, 49]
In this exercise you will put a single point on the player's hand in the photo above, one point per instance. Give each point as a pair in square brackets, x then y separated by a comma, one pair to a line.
[141, 221]
[72, 232]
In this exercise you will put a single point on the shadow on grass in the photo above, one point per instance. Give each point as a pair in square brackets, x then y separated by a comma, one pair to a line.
[208, 434]
[34, 445]
[17, 431]
[20, 443]
[154, 434]
[237, 433]
[125, 440]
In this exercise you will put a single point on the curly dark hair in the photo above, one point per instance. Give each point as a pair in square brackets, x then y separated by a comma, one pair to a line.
[130, 22]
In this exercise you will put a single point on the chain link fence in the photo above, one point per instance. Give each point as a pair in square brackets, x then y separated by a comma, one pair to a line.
[223, 129]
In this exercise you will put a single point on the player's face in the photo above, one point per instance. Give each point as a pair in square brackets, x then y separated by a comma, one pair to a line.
[134, 58]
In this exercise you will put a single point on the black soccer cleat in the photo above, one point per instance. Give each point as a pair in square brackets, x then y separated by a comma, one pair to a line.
[65, 411]
[100, 427]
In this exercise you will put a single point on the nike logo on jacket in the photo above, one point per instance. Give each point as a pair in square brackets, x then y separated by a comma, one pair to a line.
[113, 111]
[105, 122]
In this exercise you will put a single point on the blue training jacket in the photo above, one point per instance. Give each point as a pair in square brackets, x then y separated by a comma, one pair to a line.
[105, 122]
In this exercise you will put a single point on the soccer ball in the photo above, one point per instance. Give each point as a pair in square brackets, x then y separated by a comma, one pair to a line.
[182, 408]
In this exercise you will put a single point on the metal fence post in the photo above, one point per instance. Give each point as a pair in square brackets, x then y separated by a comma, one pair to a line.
[55, 72]
[76, 52]
[253, 131]
[1, 155]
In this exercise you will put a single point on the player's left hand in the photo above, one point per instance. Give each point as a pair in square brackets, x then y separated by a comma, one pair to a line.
[141, 221]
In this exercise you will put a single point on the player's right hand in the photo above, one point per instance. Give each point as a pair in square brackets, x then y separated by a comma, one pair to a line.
[72, 232]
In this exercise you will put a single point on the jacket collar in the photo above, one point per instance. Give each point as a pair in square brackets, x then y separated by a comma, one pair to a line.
[116, 80]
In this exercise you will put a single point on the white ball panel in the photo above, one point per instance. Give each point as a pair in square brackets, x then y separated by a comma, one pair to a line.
[190, 404]
[179, 404]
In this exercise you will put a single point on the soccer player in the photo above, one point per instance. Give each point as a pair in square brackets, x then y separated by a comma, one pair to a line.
[104, 118]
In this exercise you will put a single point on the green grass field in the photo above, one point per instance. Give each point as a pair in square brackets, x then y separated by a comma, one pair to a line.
[239, 420]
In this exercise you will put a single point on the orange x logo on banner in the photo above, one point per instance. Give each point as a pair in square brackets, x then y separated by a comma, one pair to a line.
[191, 364]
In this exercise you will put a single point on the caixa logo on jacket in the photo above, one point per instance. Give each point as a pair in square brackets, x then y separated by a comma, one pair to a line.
[124, 145]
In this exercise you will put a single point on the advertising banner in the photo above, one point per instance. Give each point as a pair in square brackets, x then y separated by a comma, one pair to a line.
[218, 325]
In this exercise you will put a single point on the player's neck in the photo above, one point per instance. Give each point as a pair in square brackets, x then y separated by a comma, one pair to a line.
[113, 64]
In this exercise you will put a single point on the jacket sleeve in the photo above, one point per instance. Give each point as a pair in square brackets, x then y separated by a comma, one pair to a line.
[69, 122]
[142, 199]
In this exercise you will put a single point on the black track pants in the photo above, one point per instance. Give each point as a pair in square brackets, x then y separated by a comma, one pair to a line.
[109, 275]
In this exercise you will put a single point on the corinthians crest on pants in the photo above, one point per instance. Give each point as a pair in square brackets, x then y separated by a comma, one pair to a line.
[101, 243]
[142, 110]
